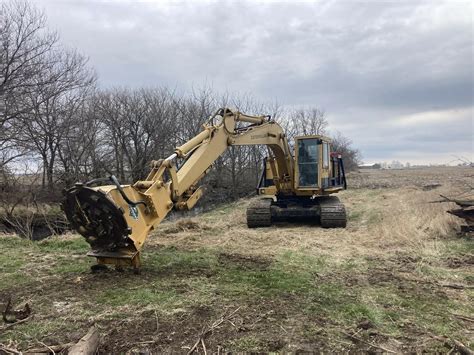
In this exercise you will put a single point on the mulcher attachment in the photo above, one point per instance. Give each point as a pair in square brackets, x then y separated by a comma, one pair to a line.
[102, 223]
[96, 217]
[327, 210]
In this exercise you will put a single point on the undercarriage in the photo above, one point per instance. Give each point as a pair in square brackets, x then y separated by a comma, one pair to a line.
[326, 211]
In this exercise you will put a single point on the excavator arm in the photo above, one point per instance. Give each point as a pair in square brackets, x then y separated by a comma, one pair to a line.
[116, 219]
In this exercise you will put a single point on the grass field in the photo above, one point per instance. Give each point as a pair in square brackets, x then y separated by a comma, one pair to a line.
[398, 279]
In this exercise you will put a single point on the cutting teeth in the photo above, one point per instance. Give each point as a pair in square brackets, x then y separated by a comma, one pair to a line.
[109, 229]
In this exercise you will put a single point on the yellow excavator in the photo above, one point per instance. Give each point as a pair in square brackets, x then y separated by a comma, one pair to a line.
[116, 219]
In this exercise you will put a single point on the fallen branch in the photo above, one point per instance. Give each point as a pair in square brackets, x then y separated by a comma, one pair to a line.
[50, 348]
[157, 323]
[460, 316]
[209, 330]
[462, 203]
[11, 315]
[203, 346]
[11, 325]
[369, 343]
[88, 344]
[463, 349]
[7, 350]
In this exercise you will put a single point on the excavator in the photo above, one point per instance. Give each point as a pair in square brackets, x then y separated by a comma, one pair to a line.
[116, 219]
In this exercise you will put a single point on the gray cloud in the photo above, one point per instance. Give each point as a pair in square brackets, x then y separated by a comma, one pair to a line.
[368, 64]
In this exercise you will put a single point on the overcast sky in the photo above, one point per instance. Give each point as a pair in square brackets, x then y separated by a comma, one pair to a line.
[395, 76]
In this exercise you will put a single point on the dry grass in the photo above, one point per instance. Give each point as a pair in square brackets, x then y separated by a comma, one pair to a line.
[397, 219]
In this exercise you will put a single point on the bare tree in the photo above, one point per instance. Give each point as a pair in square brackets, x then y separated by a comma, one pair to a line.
[307, 121]
[194, 110]
[344, 146]
[18, 201]
[53, 104]
[139, 126]
[80, 152]
[24, 45]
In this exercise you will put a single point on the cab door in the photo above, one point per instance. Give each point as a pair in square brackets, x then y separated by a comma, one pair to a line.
[307, 157]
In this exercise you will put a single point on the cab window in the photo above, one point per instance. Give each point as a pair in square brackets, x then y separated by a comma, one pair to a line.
[308, 162]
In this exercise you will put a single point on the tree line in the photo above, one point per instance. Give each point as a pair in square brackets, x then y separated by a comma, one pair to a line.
[56, 119]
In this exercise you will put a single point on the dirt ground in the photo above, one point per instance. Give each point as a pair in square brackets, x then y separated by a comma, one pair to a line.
[399, 278]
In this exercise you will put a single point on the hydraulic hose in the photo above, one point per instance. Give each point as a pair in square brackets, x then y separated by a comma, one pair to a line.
[125, 197]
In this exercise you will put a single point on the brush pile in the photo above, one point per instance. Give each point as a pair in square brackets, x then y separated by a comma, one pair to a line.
[464, 210]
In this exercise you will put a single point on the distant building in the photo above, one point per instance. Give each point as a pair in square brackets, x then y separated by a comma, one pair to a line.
[395, 164]
[369, 166]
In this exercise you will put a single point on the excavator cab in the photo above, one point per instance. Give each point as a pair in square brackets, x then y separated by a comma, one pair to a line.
[318, 170]
[318, 173]
[317, 166]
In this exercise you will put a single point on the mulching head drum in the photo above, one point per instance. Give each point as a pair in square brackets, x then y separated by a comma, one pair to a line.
[97, 218]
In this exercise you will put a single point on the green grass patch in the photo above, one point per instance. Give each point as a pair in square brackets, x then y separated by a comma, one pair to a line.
[11, 281]
[8, 243]
[355, 215]
[459, 246]
[177, 261]
[246, 343]
[144, 296]
[308, 287]
[65, 265]
[369, 216]
[13, 261]
[56, 244]
[392, 306]
[29, 333]
[354, 265]
[290, 273]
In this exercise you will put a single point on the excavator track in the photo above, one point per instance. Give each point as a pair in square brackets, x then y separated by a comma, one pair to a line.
[332, 212]
[259, 214]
